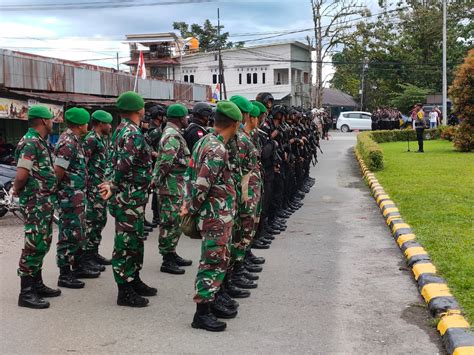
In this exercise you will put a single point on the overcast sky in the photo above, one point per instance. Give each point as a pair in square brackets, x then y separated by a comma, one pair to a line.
[81, 34]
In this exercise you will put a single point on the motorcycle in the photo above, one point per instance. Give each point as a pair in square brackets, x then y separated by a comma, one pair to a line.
[7, 202]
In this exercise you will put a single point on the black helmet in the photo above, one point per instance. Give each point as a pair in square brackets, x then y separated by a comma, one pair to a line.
[202, 109]
[155, 111]
[279, 109]
[264, 97]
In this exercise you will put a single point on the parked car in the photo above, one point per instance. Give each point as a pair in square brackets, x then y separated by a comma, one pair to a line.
[351, 120]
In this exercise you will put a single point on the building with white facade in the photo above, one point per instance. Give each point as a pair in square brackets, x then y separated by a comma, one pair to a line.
[282, 68]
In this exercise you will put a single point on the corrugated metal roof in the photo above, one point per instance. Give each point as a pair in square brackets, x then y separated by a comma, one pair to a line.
[334, 97]
[88, 100]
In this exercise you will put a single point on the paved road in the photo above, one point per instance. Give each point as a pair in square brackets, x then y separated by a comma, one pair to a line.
[334, 282]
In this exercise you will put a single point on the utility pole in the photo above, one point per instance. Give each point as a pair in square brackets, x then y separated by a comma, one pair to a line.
[445, 79]
[364, 67]
[219, 80]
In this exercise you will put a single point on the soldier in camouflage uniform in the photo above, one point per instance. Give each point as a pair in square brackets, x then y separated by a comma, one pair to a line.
[70, 168]
[35, 185]
[156, 116]
[173, 159]
[244, 159]
[210, 199]
[96, 153]
[130, 182]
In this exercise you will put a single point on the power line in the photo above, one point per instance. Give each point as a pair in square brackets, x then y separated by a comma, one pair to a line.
[95, 5]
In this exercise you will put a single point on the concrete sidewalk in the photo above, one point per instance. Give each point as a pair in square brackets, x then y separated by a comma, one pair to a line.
[333, 282]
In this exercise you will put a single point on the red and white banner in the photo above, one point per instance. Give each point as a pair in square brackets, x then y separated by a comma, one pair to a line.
[141, 66]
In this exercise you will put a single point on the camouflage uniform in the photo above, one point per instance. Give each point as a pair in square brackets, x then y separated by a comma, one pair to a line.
[131, 177]
[96, 153]
[257, 177]
[210, 197]
[71, 240]
[169, 172]
[244, 159]
[37, 200]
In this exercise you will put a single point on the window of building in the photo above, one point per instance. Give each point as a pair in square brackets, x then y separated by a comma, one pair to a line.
[186, 78]
[255, 78]
[214, 78]
[249, 78]
[191, 78]
[263, 78]
[240, 79]
[306, 78]
[278, 79]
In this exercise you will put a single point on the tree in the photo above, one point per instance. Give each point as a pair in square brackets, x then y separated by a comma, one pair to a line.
[335, 33]
[462, 94]
[403, 46]
[408, 97]
[207, 34]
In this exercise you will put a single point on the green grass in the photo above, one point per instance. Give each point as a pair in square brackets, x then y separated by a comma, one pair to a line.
[435, 194]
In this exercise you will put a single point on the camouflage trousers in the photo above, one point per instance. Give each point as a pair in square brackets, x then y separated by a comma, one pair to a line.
[127, 257]
[170, 223]
[38, 236]
[245, 224]
[213, 264]
[72, 236]
[96, 219]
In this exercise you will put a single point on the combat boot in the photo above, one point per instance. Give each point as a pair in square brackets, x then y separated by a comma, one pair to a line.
[142, 288]
[266, 235]
[226, 300]
[128, 297]
[253, 258]
[101, 260]
[88, 260]
[150, 224]
[241, 271]
[221, 311]
[266, 241]
[232, 290]
[182, 262]
[41, 289]
[270, 230]
[147, 229]
[28, 296]
[204, 319]
[242, 282]
[84, 272]
[236, 292]
[67, 278]
[252, 267]
[170, 266]
[257, 244]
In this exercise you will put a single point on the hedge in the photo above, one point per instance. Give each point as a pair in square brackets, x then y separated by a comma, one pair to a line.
[367, 143]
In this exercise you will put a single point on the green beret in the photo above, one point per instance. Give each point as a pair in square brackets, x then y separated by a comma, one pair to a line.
[229, 109]
[177, 111]
[130, 101]
[37, 111]
[255, 111]
[260, 106]
[77, 115]
[102, 116]
[242, 103]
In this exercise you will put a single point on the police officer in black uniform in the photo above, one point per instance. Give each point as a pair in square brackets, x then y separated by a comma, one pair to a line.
[198, 126]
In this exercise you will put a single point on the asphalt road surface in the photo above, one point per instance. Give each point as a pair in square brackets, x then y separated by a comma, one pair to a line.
[334, 282]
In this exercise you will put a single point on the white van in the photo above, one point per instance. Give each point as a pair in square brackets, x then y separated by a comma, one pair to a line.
[351, 120]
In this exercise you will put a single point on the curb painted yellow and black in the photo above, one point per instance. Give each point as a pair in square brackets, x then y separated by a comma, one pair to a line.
[452, 326]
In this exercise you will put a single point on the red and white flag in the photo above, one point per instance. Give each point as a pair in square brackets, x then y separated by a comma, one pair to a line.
[141, 66]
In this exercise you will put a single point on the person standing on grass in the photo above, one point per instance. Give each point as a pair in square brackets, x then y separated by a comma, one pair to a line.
[434, 116]
[419, 126]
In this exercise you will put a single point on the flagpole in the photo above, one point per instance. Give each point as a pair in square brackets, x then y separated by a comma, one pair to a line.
[136, 74]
